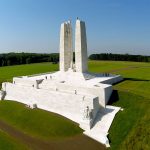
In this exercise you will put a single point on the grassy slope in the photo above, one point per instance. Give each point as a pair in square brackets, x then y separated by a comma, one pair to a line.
[131, 128]
[8, 143]
[36, 127]
[37, 122]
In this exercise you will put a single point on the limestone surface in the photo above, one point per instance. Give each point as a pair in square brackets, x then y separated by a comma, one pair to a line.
[72, 91]
[80, 47]
[66, 53]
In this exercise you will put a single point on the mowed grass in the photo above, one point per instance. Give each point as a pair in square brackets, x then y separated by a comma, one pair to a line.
[8, 143]
[109, 66]
[136, 75]
[8, 72]
[136, 81]
[131, 127]
[36, 122]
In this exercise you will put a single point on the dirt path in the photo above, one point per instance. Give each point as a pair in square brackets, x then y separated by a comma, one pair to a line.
[27, 140]
[80, 142]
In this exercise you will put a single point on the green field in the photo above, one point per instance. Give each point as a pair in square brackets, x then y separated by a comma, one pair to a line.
[130, 129]
[8, 72]
[7, 142]
[22, 118]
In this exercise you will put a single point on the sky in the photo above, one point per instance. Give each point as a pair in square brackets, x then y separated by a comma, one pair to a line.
[113, 26]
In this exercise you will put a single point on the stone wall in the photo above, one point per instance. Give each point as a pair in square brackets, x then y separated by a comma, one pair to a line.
[66, 104]
[113, 80]
[98, 91]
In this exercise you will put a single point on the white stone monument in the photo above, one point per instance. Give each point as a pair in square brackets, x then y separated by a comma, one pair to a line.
[66, 52]
[80, 47]
[72, 91]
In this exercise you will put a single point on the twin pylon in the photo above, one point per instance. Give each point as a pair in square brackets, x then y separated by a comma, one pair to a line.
[66, 47]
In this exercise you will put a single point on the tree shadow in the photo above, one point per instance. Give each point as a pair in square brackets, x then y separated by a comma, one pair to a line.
[114, 97]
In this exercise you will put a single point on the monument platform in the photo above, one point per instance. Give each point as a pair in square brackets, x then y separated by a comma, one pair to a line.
[102, 124]
[72, 92]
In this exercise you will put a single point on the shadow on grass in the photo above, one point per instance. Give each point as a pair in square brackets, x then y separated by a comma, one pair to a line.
[134, 79]
[130, 79]
[114, 97]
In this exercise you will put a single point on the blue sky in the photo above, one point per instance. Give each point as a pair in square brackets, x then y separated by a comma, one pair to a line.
[116, 26]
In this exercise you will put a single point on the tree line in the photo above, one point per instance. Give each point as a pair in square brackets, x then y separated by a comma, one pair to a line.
[119, 57]
[27, 58]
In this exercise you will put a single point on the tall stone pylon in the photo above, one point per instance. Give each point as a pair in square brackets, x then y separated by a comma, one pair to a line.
[80, 47]
[70, 44]
[66, 52]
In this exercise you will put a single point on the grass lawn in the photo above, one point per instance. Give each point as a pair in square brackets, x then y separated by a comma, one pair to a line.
[8, 143]
[131, 127]
[37, 122]
[8, 72]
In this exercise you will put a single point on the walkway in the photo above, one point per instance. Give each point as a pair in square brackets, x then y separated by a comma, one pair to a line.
[102, 124]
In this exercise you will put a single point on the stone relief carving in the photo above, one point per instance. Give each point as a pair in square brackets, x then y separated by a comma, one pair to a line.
[87, 113]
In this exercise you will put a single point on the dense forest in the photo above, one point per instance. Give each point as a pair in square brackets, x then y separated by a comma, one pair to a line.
[119, 57]
[27, 58]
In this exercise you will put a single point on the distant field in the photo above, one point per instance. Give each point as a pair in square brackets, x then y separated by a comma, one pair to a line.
[8, 72]
[136, 75]
[130, 129]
